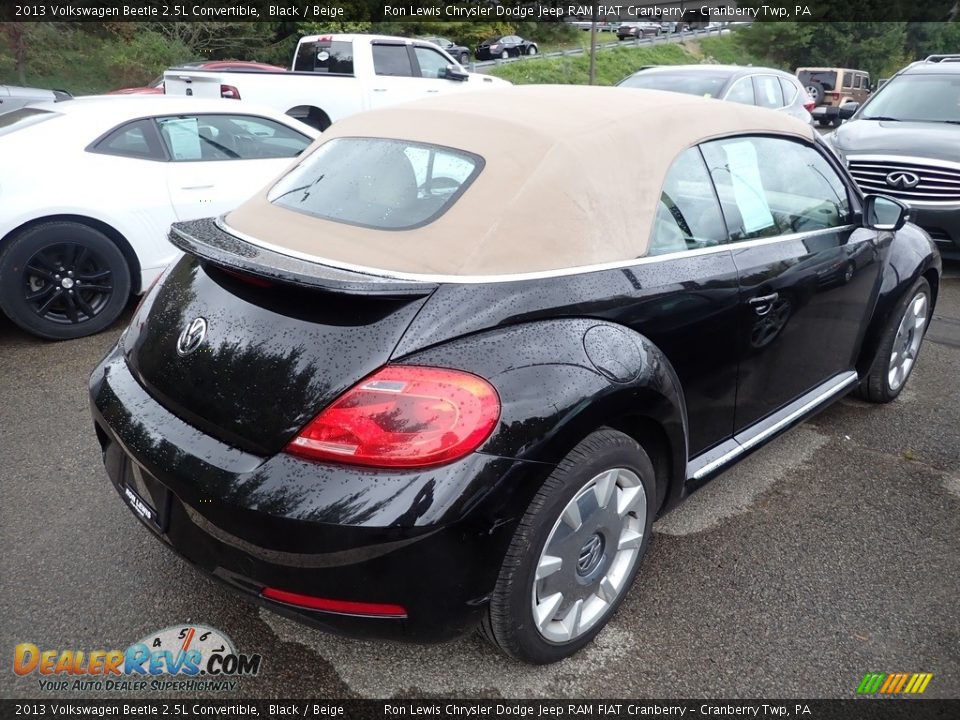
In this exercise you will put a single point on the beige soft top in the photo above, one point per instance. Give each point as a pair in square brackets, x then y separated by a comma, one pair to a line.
[572, 178]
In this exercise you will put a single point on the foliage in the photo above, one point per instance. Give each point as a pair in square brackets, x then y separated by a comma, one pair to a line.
[612, 65]
[727, 50]
[878, 47]
[91, 59]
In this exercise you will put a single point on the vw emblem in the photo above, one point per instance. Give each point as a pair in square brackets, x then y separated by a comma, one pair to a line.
[193, 334]
[902, 179]
[590, 555]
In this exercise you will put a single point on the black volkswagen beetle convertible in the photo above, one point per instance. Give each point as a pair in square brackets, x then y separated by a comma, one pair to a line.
[448, 369]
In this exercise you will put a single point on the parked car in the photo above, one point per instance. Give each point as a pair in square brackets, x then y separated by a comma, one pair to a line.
[764, 87]
[155, 87]
[505, 46]
[403, 390]
[90, 189]
[905, 142]
[831, 88]
[674, 26]
[338, 75]
[633, 30]
[459, 52]
[14, 96]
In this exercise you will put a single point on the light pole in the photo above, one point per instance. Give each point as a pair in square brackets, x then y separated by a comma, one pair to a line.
[593, 43]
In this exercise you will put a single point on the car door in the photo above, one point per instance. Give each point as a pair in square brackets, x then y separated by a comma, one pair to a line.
[741, 91]
[808, 272]
[219, 160]
[684, 297]
[430, 67]
[394, 78]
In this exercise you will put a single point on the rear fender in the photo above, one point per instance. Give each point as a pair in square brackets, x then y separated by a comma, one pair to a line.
[559, 380]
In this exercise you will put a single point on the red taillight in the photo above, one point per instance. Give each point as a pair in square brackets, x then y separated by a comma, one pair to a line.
[346, 607]
[229, 92]
[809, 106]
[403, 416]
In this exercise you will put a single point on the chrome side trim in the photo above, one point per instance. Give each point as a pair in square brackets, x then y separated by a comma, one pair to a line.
[514, 277]
[824, 392]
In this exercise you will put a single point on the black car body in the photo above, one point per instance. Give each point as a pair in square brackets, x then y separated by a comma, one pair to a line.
[505, 46]
[760, 86]
[905, 142]
[647, 376]
[461, 53]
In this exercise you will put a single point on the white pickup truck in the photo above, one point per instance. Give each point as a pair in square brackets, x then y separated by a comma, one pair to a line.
[337, 75]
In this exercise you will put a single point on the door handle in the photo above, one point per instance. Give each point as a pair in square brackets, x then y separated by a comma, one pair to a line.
[763, 304]
[197, 187]
[379, 89]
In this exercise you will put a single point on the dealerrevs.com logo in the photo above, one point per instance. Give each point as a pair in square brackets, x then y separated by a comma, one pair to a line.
[186, 658]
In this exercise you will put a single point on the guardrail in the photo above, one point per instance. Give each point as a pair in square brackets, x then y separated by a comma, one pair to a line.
[482, 65]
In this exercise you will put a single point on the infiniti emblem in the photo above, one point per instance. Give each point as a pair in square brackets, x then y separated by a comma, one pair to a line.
[191, 337]
[902, 179]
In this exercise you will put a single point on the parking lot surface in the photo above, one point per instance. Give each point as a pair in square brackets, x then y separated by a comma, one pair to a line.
[832, 552]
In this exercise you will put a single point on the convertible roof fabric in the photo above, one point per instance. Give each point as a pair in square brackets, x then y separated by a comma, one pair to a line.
[572, 178]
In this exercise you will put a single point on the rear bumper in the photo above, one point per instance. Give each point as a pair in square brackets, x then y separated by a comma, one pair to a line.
[431, 541]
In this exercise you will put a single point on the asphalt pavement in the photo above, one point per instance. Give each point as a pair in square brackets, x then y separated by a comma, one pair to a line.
[832, 552]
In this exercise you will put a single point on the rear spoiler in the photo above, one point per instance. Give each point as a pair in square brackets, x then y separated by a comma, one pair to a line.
[206, 240]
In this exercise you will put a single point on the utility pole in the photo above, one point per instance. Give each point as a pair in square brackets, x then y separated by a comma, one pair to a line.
[593, 43]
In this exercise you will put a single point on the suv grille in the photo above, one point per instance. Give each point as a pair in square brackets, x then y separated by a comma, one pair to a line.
[937, 183]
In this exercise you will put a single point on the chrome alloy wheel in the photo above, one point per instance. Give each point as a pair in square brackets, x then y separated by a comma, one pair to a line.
[906, 344]
[589, 555]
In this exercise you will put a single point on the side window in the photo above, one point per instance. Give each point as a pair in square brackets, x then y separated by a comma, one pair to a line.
[789, 91]
[228, 137]
[742, 92]
[768, 91]
[325, 56]
[432, 64]
[253, 137]
[135, 140]
[772, 186]
[688, 215]
[392, 60]
[848, 80]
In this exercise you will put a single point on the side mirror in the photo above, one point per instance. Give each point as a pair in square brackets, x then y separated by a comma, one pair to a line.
[884, 213]
[847, 110]
[453, 72]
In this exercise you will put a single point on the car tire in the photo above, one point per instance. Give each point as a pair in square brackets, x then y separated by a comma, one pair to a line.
[609, 481]
[815, 91]
[504, 55]
[61, 280]
[464, 58]
[899, 346]
[532, 50]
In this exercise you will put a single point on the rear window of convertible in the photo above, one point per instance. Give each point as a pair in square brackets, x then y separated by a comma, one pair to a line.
[377, 183]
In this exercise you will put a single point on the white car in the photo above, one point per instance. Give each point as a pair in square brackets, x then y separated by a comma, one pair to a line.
[89, 188]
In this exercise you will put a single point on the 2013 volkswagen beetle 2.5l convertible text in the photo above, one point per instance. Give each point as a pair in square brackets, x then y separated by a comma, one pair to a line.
[449, 368]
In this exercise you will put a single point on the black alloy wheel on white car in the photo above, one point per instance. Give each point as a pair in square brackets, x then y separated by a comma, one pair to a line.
[62, 280]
